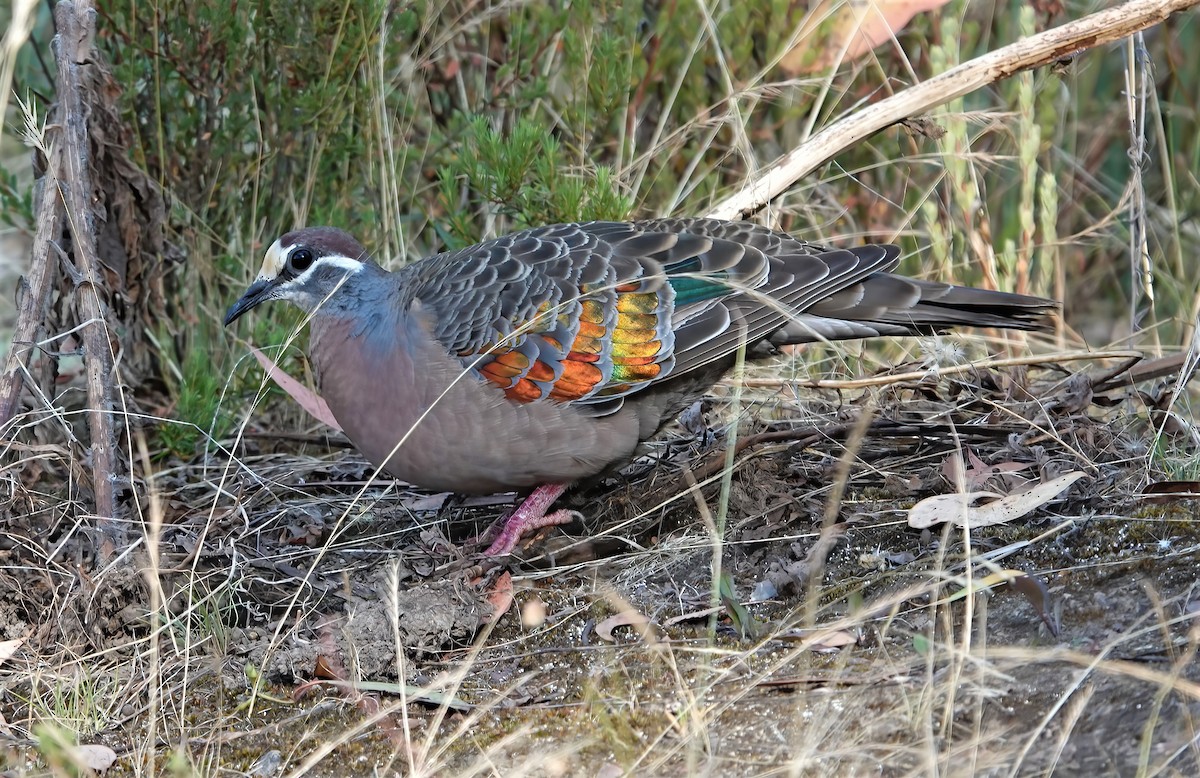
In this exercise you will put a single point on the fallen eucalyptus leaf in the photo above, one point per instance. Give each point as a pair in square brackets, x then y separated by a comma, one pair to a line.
[965, 510]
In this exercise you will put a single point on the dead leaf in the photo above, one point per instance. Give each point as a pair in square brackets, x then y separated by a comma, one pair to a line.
[1171, 491]
[500, 598]
[821, 642]
[1177, 427]
[8, 648]
[96, 757]
[1029, 585]
[610, 770]
[965, 510]
[1076, 395]
[308, 399]
[626, 618]
[691, 616]
[325, 668]
[267, 765]
[842, 32]
[978, 472]
[1035, 590]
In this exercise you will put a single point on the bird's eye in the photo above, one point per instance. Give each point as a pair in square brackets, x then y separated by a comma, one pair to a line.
[300, 260]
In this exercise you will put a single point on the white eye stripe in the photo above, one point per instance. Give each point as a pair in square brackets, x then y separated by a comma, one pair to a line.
[345, 263]
[275, 262]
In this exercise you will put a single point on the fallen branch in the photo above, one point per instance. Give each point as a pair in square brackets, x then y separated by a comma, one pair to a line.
[1035, 51]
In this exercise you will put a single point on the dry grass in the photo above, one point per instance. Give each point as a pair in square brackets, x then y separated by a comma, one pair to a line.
[268, 562]
[880, 661]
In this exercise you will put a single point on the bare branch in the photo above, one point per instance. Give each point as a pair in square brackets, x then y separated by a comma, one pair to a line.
[33, 292]
[1035, 51]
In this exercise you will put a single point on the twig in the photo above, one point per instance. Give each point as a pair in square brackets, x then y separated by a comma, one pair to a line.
[939, 372]
[803, 437]
[1035, 51]
[33, 298]
[800, 437]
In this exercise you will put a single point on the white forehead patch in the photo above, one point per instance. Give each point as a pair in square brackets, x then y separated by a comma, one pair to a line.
[272, 264]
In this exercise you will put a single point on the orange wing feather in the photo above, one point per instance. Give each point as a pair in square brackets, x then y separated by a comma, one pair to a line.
[633, 345]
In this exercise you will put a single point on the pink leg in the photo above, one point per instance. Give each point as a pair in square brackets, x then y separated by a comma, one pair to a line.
[529, 516]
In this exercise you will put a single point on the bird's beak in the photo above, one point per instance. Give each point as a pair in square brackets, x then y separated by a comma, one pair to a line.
[259, 292]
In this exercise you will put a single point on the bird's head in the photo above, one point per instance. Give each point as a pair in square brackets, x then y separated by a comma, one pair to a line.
[305, 267]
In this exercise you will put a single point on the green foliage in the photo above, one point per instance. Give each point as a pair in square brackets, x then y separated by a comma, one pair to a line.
[207, 618]
[55, 746]
[742, 620]
[253, 112]
[1174, 458]
[73, 705]
[525, 175]
[16, 201]
[196, 390]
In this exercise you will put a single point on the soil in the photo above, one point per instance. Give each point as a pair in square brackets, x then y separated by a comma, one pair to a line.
[292, 620]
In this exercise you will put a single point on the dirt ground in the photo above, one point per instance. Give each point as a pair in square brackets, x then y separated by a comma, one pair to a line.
[287, 617]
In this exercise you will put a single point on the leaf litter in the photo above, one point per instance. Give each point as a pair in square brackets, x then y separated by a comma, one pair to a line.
[287, 542]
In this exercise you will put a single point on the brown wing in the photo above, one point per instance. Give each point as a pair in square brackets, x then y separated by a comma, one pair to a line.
[587, 313]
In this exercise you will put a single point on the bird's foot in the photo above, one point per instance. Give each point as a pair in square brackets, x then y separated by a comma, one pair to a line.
[517, 527]
[529, 516]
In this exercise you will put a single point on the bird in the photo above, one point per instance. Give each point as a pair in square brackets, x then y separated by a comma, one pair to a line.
[542, 358]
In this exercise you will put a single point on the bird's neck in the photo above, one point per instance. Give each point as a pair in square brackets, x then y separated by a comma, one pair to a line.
[376, 331]
[369, 298]
[382, 369]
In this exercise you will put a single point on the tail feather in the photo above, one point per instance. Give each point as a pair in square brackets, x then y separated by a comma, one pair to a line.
[807, 292]
[887, 304]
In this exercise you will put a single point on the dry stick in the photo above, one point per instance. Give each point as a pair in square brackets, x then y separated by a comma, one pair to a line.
[33, 294]
[941, 372]
[1035, 51]
[75, 22]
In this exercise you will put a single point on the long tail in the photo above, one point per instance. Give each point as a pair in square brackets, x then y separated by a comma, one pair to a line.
[886, 304]
[872, 301]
